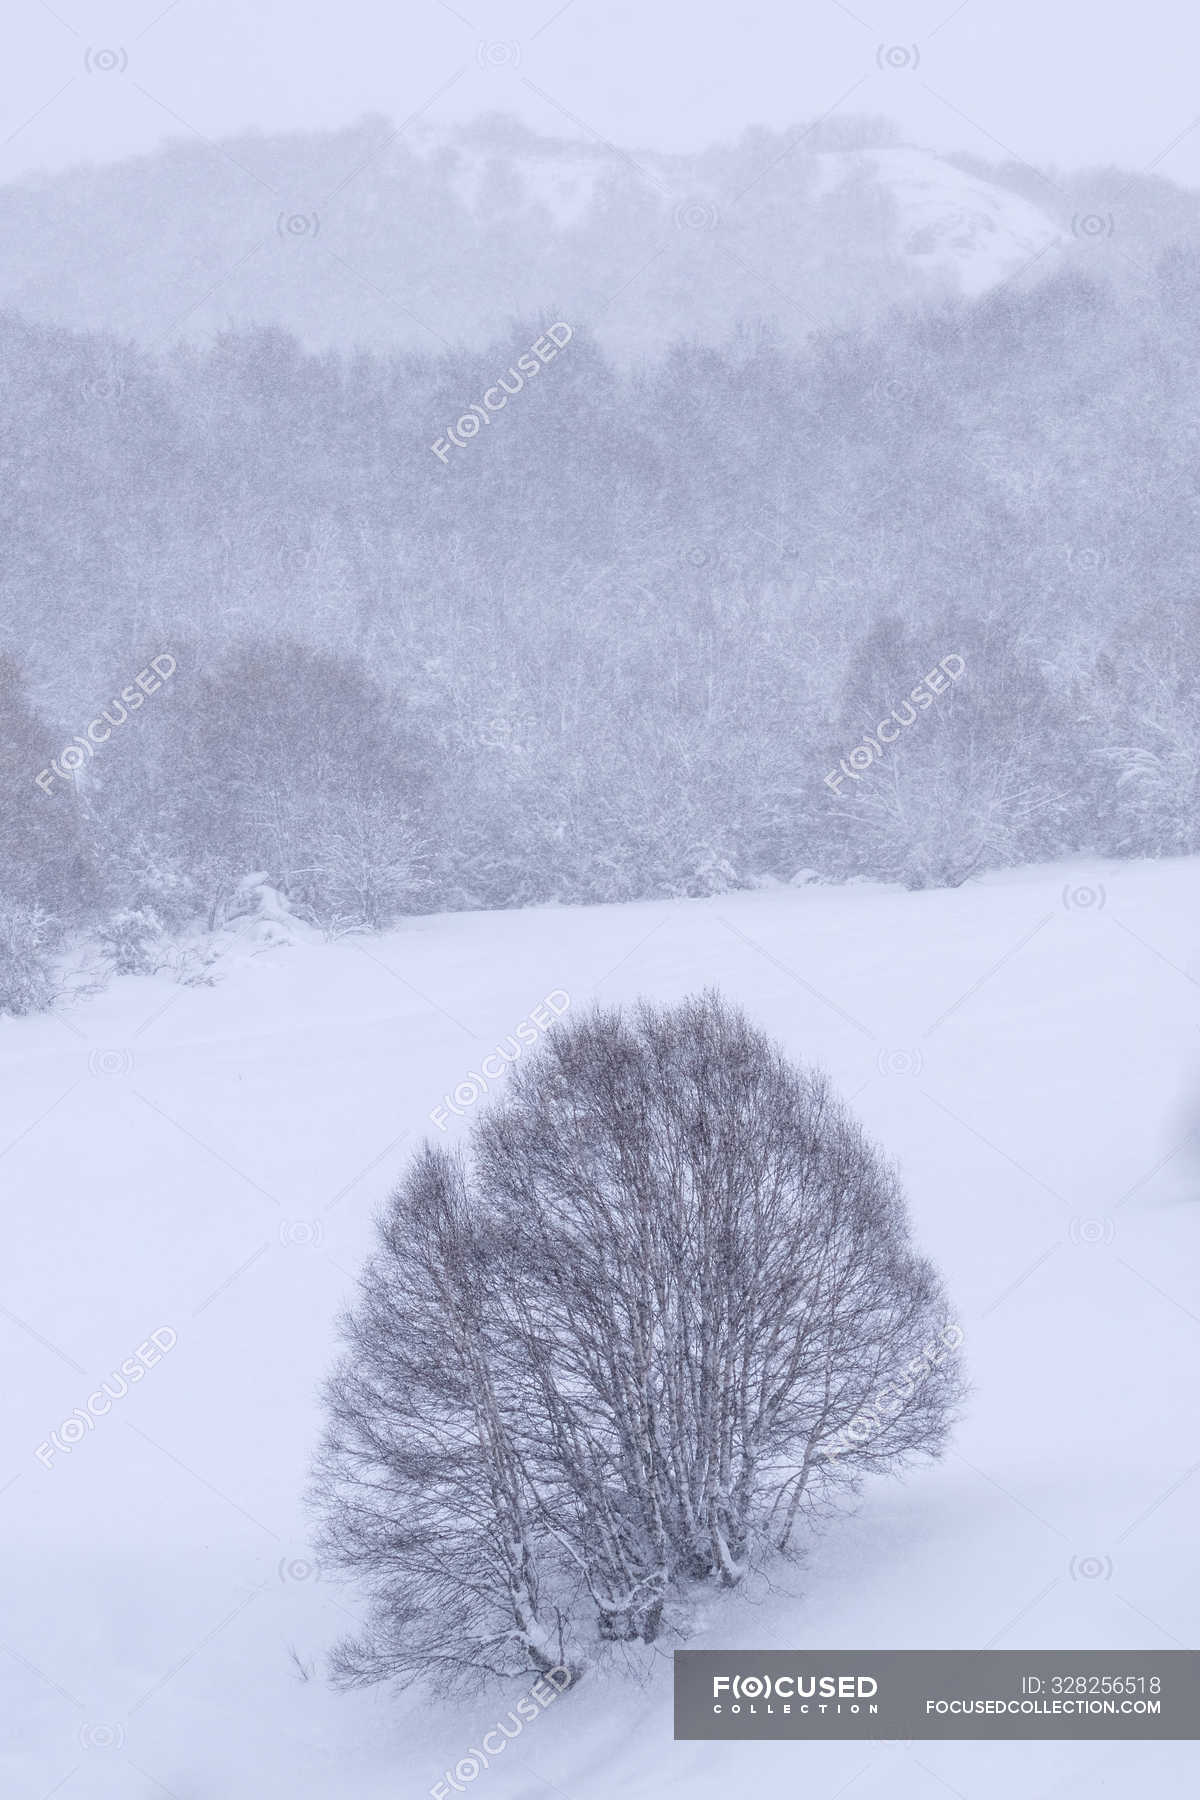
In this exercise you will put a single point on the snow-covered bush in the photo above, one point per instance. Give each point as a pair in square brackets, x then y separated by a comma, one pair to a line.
[666, 1309]
[368, 866]
[28, 976]
[133, 942]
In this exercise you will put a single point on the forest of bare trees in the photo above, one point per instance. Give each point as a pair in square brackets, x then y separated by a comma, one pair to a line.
[617, 645]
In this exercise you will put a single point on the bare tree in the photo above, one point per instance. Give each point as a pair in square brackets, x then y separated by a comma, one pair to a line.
[420, 1482]
[671, 1309]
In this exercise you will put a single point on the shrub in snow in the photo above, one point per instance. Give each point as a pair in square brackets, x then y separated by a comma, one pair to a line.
[132, 941]
[368, 866]
[665, 1309]
[181, 886]
[43, 859]
[28, 977]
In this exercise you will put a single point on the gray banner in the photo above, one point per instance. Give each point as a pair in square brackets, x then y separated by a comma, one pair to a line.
[937, 1694]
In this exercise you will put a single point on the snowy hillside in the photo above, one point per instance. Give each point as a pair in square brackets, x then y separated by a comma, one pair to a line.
[1027, 1047]
[972, 232]
[939, 220]
[448, 233]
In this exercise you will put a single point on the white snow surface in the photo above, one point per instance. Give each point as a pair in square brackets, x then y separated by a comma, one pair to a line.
[969, 229]
[210, 1159]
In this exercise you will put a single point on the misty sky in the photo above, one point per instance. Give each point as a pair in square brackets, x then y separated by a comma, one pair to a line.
[1049, 81]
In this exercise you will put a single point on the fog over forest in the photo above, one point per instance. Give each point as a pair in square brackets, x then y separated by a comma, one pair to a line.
[632, 628]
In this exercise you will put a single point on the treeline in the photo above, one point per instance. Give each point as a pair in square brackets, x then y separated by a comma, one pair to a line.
[638, 636]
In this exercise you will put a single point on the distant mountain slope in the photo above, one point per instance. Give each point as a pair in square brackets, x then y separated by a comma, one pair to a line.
[375, 236]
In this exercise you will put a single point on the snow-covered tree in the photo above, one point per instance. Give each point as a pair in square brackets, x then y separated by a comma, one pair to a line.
[625, 1348]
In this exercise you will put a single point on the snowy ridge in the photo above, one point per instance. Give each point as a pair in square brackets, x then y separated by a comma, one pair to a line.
[483, 221]
[946, 222]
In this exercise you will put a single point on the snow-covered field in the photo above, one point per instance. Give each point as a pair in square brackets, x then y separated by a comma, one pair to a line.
[208, 1160]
